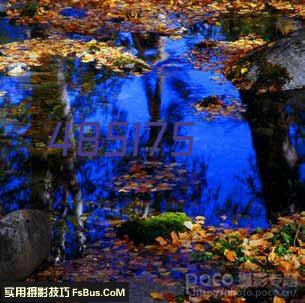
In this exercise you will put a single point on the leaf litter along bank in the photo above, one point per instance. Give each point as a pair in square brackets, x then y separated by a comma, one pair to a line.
[32, 53]
[278, 249]
[162, 16]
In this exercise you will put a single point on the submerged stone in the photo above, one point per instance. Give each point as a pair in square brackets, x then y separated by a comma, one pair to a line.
[147, 230]
[74, 13]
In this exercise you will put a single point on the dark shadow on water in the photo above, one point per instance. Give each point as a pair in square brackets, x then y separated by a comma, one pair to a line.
[277, 123]
[269, 26]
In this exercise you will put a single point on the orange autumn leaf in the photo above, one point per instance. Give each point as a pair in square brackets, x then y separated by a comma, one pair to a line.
[175, 238]
[198, 247]
[230, 255]
[278, 300]
[157, 296]
[284, 266]
[161, 241]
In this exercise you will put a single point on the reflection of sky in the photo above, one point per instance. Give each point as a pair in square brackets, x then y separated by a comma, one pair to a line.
[10, 33]
[13, 154]
[223, 146]
[297, 137]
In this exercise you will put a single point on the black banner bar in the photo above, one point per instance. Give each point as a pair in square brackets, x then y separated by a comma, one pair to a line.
[64, 292]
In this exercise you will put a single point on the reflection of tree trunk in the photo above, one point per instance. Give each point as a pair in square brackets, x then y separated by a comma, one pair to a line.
[153, 88]
[153, 93]
[143, 42]
[70, 182]
[42, 173]
[277, 159]
[51, 172]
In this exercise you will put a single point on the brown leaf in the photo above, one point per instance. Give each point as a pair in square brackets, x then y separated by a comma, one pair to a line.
[175, 238]
[161, 241]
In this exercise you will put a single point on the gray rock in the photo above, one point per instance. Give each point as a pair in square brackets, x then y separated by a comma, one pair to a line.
[25, 239]
[281, 64]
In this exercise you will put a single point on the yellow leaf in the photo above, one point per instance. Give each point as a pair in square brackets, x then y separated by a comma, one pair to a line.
[88, 58]
[244, 70]
[272, 256]
[249, 266]
[268, 235]
[258, 242]
[157, 296]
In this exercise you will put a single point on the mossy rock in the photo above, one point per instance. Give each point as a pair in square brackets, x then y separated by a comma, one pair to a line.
[147, 230]
[274, 67]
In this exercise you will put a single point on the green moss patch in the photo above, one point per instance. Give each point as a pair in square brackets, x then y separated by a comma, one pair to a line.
[147, 230]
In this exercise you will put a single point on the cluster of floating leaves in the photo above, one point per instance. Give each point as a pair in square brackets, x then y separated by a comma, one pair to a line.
[228, 52]
[17, 57]
[150, 176]
[290, 8]
[141, 15]
[214, 107]
[167, 17]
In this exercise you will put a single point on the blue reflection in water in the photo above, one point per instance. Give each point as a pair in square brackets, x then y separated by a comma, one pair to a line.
[10, 32]
[14, 154]
[224, 145]
[223, 161]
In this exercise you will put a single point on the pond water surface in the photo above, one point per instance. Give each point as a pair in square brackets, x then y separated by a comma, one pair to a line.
[233, 178]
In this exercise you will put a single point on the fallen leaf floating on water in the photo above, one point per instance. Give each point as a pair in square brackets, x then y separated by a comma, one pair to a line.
[228, 52]
[31, 53]
[152, 176]
[157, 296]
[141, 15]
[98, 16]
[214, 107]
